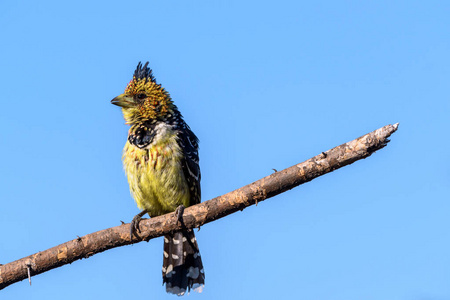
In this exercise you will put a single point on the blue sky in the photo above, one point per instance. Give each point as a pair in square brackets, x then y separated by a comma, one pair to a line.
[264, 85]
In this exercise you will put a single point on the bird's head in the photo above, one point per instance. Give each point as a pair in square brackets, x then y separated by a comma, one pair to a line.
[144, 99]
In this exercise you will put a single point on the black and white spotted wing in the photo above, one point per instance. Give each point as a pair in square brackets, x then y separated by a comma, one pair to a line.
[191, 167]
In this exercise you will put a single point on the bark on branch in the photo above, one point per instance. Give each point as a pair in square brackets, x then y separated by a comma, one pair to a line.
[199, 214]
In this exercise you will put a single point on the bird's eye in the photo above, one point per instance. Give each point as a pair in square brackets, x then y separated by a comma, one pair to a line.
[141, 96]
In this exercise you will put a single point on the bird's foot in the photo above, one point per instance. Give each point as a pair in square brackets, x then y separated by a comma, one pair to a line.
[134, 226]
[179, 214]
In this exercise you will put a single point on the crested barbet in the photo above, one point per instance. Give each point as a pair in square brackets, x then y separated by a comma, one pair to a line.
[161, 162]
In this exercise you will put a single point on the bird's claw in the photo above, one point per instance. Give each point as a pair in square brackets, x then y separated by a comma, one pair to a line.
[179, 213]
[134, 226]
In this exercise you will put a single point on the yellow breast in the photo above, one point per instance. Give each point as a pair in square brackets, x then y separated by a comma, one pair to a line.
[155, 174]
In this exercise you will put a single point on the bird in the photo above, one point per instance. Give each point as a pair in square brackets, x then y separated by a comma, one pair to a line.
[161, 161]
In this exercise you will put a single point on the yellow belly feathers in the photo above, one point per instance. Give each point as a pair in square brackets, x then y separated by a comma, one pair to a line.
[155, 175]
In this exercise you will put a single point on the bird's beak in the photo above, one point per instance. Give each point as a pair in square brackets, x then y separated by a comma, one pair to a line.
[123, 101]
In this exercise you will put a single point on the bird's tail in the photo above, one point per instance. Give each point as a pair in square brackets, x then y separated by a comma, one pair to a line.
[182, 265]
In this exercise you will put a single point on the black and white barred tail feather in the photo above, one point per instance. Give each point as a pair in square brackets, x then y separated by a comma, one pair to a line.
[182, 265]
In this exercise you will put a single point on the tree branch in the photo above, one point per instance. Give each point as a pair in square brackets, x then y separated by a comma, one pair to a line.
[199, 214]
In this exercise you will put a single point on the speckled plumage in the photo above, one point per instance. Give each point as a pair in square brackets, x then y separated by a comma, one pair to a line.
[160, 159]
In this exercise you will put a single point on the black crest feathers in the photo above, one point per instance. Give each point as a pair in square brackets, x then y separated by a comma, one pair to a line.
[144, 72]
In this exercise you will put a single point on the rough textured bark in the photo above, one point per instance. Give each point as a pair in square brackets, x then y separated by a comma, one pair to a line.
[199, 214]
